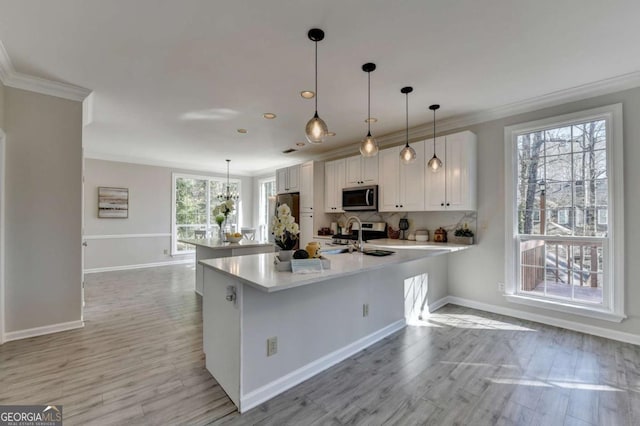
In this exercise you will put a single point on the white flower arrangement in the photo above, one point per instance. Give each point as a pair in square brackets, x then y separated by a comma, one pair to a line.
[284, 228]
[224, 208]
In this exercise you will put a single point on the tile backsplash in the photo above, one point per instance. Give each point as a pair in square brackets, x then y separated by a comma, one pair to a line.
[448, 220]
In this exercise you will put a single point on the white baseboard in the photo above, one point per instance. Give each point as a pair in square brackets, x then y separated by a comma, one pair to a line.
[438, 304]
[39, 331]
[270, 390]
[141, 265]
[620, 336]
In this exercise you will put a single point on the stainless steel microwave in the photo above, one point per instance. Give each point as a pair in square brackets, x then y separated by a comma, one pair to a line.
[360, 198]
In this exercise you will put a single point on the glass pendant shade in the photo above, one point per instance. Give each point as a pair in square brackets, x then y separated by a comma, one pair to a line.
[408, 155]
[369, 146]
[316, 130]
[434, 164]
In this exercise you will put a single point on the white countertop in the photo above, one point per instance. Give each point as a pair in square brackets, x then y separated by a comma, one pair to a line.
[259, 271]
[215, 243]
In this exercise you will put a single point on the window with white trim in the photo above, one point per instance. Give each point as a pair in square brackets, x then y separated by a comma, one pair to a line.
[564, 213]
[266, 206]
[193, 202]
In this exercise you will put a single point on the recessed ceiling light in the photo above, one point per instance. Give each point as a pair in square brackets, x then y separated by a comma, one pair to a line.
[269, 115]
[299, 143]
[371, 120]
[307, 94]
[331, 134]
[242, 130]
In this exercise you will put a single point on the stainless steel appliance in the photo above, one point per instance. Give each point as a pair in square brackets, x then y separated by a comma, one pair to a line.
[370, 231]
[360, 198]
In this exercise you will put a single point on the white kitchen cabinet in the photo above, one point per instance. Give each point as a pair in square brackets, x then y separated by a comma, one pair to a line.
[307, 229]
[401, 185]
[334, 181]
[361, 171]
[288, 179]
[306, 187]
[454, 187]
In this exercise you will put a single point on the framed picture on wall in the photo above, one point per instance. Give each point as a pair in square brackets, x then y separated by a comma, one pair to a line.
[113, 203]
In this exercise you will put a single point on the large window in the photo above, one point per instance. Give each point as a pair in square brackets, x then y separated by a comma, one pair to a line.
[564, 187]
[266, 206]
[194, 199]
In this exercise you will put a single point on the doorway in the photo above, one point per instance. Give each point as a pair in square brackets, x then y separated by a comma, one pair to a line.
[2, 195]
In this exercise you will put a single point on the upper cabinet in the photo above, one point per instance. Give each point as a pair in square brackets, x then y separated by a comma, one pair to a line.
[288, 179]
[454, 187]
[306, 187]
[401, 185]
[334, 181]
[361, 171]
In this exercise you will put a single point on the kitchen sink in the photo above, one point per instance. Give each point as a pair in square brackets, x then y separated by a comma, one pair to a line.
[378, 252]
[334, 251]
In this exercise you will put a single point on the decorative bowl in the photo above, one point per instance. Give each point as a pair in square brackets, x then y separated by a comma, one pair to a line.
[233, 239]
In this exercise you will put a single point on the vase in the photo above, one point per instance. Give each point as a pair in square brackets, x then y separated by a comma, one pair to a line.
[221, 236]
[285, 255]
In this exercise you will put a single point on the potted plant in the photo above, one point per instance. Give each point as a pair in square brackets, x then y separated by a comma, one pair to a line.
[463, 235]
[221, 213]
[285, 231]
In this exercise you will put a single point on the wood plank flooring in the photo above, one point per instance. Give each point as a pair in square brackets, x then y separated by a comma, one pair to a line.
[139, 361]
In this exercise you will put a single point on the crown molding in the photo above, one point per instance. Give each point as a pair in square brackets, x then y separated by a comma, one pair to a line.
[12, 78]
[425, 130]
[161, 163]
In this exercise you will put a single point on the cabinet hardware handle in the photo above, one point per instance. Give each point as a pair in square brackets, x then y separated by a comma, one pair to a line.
[442, 204]
[448, 204]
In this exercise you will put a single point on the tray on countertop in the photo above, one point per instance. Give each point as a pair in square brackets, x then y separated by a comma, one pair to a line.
[285, 265]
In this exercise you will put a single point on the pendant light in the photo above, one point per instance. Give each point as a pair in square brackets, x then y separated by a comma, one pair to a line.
[369, 145]
[408, 154]
[316, 129]
[228, 195]
[435, 163]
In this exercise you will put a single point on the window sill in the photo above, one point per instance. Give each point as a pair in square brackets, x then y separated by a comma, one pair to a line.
[566, 308]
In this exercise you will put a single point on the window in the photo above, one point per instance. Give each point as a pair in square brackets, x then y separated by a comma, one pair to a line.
[602, 217]
[267, 206]
[563, 217]
[564, 230]
[194, 199]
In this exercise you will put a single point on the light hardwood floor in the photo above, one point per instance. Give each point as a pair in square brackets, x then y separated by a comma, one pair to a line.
[139, 361]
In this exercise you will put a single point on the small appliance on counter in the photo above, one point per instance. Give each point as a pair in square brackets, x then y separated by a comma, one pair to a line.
[370, 231]
[403, 225]
[421, 235]
[440, 235]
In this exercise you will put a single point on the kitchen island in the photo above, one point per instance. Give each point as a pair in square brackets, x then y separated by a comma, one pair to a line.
[265, 331]
[212, 248]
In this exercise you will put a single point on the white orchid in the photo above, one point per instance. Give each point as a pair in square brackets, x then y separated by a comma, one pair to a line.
[224, 208]
[284, 228]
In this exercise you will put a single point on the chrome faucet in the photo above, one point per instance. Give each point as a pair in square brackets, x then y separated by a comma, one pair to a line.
[360, 245]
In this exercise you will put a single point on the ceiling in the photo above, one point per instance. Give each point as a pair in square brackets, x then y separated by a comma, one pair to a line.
[174, 80]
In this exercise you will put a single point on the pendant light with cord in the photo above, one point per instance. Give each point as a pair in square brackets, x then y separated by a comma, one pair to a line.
[228, 194]
[435, 163]
[408, 154]
[369, 146]
[316, 129]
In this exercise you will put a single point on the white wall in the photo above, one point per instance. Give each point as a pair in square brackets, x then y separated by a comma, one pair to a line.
[474, 274]
[43, 200]
[149, 214]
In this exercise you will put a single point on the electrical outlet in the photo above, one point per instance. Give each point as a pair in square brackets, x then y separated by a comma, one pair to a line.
[501, 287]
[166, 251]
[272, 346]
[365, 309]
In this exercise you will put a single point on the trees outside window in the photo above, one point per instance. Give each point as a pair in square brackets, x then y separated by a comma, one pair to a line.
[194, 199]
[560, 193]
